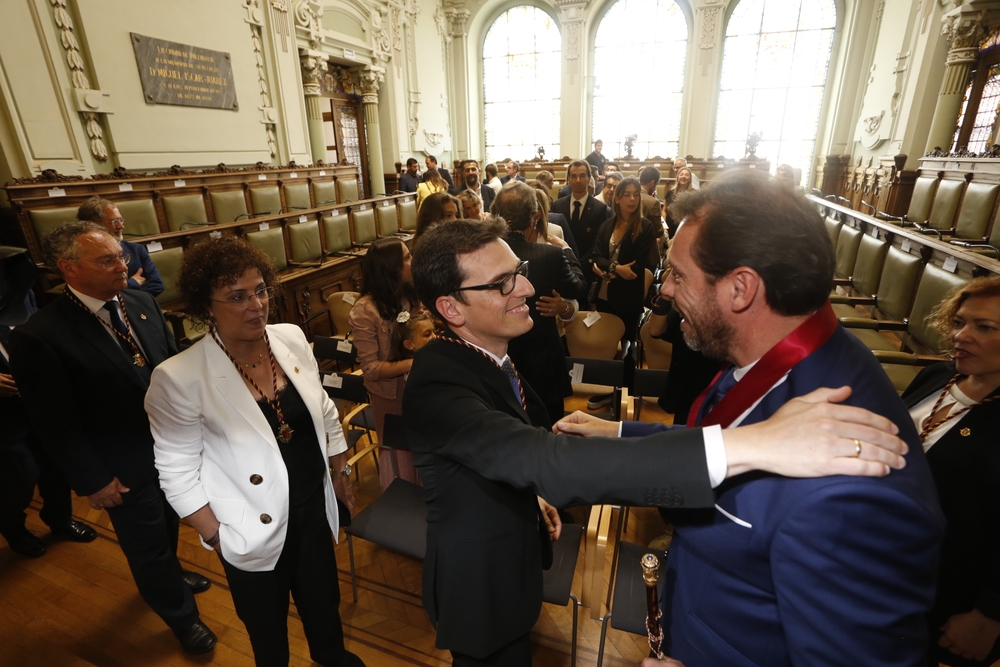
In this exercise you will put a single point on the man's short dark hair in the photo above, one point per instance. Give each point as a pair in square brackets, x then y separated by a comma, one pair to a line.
[649, 175]
[612, 164]
[410, 161]
[435, 268]
[577, 164]
[517, 204]
[467, 161]
[749, 219]
[93, 209]
[615, 176]
[432, 159]
[490, 169]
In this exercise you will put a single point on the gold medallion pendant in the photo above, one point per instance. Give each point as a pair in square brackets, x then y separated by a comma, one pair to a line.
[285, 433]
[138, 360]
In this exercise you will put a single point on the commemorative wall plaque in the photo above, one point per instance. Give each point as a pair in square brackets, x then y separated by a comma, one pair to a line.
[173, 73]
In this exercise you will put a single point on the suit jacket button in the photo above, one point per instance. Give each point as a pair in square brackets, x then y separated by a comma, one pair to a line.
[265, 519]
[256, 479]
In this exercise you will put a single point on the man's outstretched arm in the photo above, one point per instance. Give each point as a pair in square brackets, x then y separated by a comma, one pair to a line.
[832, 433]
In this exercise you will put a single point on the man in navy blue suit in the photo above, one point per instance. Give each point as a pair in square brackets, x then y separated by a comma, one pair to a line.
[831, 571]
[142, 273]
[410, 178]
[513, 172]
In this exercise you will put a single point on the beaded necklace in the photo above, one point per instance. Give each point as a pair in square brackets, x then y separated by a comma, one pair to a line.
[520, 386]
[284, 430]
[137, 357]
[930, 426]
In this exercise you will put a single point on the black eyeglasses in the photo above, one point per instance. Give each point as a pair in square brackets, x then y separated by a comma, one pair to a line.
[505, 284]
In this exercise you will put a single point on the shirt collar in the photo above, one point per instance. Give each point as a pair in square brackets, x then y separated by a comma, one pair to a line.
[743, 370]
[582, 200]
[499, 361]
[90, 302]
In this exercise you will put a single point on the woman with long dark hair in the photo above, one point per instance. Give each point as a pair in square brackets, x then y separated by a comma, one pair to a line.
[620, 257]
[386, 292]
[436, 208]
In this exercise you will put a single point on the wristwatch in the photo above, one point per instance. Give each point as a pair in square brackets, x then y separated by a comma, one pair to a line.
[346, 472]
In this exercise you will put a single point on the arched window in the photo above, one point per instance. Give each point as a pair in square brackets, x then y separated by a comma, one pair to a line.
[774, 68]
[639, 57]
[521, 66]
[977, 130]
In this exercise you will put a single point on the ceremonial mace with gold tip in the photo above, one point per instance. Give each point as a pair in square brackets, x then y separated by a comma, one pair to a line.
[650, 575]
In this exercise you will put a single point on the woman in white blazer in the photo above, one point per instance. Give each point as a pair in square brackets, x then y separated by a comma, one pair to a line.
[243, 432]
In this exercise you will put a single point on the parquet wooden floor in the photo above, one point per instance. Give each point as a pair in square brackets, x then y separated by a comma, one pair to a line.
[77, 606]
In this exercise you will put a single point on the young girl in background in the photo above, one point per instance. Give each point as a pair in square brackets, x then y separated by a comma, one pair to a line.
[413, 331]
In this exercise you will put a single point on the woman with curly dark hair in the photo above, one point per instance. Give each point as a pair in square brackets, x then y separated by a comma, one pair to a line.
[387, 293]
[243, 436]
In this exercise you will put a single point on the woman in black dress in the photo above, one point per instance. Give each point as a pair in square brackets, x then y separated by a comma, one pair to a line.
[956, 408]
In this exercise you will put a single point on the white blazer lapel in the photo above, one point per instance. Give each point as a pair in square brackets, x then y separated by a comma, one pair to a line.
[229, 383]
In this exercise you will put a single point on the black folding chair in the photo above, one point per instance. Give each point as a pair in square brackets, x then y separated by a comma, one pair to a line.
[607, 372]
[397, 519]
[342, 351]
[557, 581]
[337, 349]
[648, 382]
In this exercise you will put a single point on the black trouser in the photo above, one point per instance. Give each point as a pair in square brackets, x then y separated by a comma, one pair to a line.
[631, 320]
[515, 654]
[22, 465]
[307, 568]
[146, 527]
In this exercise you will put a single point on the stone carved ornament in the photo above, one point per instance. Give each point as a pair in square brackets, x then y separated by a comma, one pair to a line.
[709, 26]
[964, 31]
[307, 16]
[78, 76]
[871, 124]
[368, 83]
[433, 138]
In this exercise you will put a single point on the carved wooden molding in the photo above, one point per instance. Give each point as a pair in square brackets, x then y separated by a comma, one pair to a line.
[79, 76]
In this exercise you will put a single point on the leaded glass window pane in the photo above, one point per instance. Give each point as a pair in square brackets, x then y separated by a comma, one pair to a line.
[774, 68]
[521, 68]
[984, 132]
[965, 105]
[637, 38]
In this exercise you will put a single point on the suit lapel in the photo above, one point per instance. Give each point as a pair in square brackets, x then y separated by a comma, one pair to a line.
[493, 376]
[147, 327]
[229, 383]
[88, 328]
[497, 379]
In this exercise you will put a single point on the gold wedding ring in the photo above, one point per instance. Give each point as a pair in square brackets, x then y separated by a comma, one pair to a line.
[857, 448]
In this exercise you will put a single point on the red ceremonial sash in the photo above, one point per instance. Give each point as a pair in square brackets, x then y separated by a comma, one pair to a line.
[783, 357]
